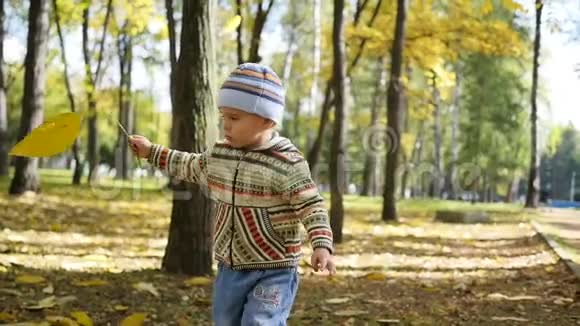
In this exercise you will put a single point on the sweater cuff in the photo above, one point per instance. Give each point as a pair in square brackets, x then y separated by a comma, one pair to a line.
[323, 243]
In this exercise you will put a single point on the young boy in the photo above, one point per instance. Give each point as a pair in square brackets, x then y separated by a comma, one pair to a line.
[263, 190]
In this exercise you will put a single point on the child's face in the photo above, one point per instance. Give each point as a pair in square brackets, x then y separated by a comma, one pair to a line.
[243, 129]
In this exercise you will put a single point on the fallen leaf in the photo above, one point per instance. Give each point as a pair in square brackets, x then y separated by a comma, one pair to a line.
[509, 319]
[82, 318]
[94, 282]
[5, 316]
[183, 322]
[29, 279]
[202, 302]
[562, 301]
[499, 296]
[136, 319]
[61, 301]
[337, 300]
[147, 287]
[49, 289]
[198, 281]
[11, 291]
[47, 302]
[376, 276]
[388, 321]
[42, 323]
[61, 321]
[350, 313]
[377, 302]
[119, 307]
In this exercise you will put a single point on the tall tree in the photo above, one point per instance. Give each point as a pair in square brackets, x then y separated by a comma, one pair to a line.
[92, 79]
[437, 137]
[533, 194]
[313, 155]
[338, 151]
[25, 174]
[3, 105]
[316, 55]
[370, 182]
[259, 22]
[395, 100]
[239, 36]
[78, 171]
[189, 247]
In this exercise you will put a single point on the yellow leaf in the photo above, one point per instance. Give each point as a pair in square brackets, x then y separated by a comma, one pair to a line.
[82, 318]
[183, 322]
[5, 316]
[198, 281]
[61, 321]
[376, 276]
[487, 7]
[52, 137]
[337, 300]
[147, 287]
[119, 307]
[136, 319]
[29, 279]
[95, 282]
[47, 302]
[233, 23]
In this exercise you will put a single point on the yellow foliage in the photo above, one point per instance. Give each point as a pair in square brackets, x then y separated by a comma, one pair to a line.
[434, 35]
[82, 318]
[95, 282]
[198, 281]
[136, 319]
[29, 279]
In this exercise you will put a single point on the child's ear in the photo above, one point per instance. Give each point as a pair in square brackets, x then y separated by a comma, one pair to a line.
[270, 123]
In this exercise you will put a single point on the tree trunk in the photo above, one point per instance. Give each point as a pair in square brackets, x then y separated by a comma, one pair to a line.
[259, 23]
[369, 173]
[25, 174]
[532, 197]
[240, 47]
[78, 170]
[4, 162]
[395, 99]
[338, 151]
[314, 152]
[451, 179]
[172, 47]
[92, 81]
[189, 248]
[289, 59]
[438, 141]
[316, 56]
[513, 187]
[125, 51]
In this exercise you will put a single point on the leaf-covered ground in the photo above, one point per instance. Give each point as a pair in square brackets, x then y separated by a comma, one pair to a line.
[74, 254]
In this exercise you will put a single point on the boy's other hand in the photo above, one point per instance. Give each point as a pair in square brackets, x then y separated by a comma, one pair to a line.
[322, 260]
[140, 145]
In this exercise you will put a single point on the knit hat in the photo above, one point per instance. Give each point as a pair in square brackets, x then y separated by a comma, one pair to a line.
[254, 88]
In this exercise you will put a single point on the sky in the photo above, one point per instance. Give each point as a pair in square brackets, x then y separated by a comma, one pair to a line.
[560, 55]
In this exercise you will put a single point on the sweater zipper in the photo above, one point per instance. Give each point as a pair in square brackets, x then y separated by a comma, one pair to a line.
[233, 230]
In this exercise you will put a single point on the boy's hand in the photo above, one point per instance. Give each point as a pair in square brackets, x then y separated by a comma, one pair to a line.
[140, 145]
[322, 259]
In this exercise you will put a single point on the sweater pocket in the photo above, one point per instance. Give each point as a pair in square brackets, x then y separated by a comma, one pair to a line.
[270, 228]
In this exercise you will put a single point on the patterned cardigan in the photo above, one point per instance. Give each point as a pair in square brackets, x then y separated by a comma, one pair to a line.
[262, 196]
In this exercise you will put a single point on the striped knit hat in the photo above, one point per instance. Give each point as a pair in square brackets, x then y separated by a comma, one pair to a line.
[254, 88]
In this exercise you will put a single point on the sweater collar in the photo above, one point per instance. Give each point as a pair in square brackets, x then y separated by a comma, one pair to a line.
[274, 140]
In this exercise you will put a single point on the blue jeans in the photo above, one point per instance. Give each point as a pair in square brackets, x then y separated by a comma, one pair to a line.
[248, 298]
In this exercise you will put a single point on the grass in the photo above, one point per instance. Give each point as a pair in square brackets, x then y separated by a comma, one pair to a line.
[58, 182]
